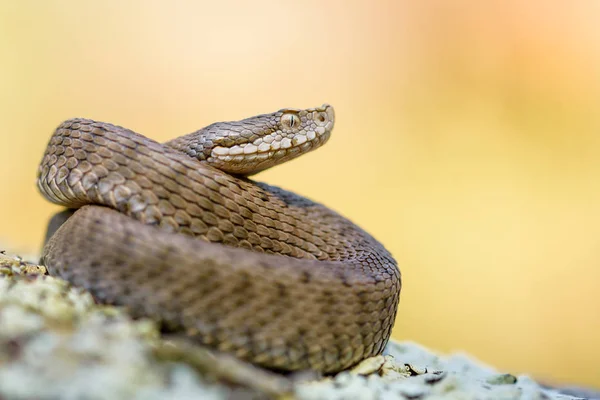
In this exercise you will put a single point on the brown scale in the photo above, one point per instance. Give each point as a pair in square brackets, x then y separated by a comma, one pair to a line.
[277, 280]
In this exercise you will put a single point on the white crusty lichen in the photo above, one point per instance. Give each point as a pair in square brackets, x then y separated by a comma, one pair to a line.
[409, 371]
[56, 343]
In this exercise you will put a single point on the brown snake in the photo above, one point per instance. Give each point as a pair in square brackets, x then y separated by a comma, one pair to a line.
[278, 280]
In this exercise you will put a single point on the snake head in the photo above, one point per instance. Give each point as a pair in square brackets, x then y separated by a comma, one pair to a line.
[254, 144]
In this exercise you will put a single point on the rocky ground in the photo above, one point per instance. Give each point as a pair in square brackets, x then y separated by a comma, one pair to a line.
[56, 343]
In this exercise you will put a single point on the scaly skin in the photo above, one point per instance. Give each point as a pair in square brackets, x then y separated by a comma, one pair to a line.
[278, 280]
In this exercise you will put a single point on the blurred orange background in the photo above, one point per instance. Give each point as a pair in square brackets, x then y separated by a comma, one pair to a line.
[467, 140]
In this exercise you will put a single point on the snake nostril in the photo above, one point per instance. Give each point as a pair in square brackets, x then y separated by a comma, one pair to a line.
[320, 118]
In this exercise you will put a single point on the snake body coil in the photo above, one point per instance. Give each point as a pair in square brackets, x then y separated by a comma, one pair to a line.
[278, 280]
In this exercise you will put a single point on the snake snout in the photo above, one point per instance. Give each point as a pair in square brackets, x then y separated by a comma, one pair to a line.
[330, 111]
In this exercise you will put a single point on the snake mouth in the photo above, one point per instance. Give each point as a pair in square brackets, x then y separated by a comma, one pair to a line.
[250, 159]
[301, 141]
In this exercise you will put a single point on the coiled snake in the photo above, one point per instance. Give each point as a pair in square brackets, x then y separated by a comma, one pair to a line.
[278, 280]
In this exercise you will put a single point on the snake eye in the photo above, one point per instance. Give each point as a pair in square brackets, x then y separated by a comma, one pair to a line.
[290, 120]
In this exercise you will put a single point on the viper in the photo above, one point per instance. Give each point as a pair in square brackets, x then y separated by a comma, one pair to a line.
[178, 233]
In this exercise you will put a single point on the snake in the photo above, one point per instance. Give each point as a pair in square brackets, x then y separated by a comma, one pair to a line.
[179, 233]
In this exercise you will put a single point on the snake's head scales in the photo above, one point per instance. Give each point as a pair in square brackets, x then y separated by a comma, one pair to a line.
[254, 144]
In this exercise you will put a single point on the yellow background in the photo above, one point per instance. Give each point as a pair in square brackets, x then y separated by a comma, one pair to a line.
[467, 140]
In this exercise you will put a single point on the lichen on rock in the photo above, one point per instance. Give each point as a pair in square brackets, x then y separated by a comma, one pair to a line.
[410, 371]
[57, 343]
